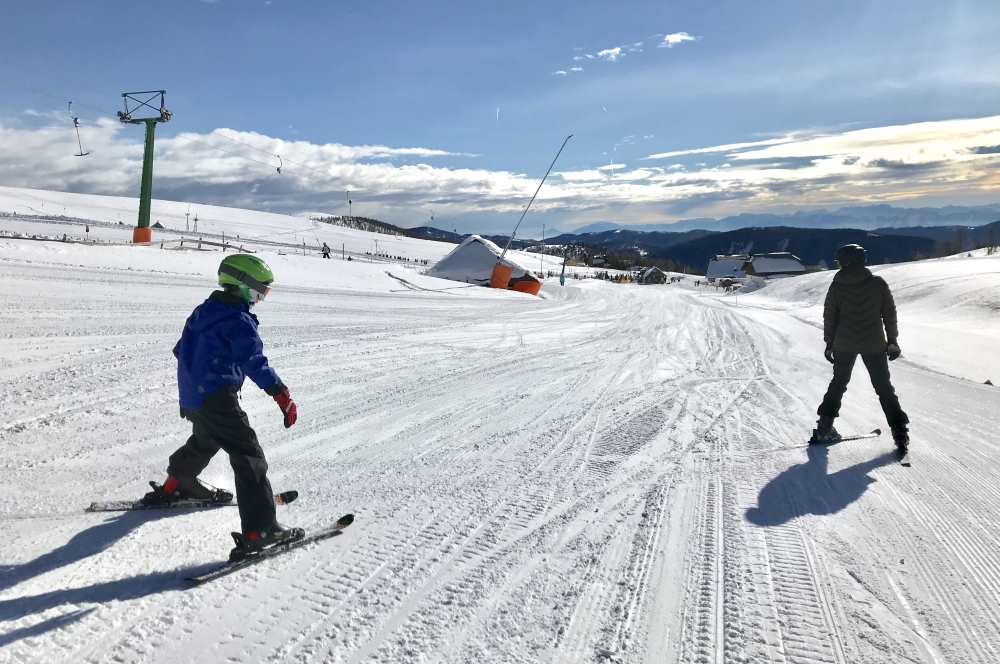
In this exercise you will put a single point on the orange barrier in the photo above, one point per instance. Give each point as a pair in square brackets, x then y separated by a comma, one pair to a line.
[501, 276]
[140, 235]
[530, 286]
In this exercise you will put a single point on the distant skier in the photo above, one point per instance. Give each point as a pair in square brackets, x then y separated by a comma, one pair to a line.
[326, 250]
[858, 305]
[219, 347]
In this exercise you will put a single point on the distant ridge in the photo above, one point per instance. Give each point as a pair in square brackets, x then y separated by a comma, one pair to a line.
[867, 217]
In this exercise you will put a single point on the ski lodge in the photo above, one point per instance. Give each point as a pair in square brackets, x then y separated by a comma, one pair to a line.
[777, 264]
[739, 266]
[727, 267]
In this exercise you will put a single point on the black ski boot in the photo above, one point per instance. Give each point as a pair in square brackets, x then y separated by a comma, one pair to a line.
[254, 541]
[184, 488]
[901, 436]
[824, 433]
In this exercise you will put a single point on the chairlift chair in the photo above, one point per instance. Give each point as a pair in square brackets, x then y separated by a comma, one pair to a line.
[76, 126]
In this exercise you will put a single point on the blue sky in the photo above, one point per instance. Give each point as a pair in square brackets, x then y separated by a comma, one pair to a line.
[456, 109]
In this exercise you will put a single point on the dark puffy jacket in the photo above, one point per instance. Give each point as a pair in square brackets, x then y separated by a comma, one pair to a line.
[218, 349]
[857, 306]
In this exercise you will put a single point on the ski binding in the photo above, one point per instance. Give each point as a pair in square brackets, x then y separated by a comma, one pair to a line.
[282, 498]
[272, 551]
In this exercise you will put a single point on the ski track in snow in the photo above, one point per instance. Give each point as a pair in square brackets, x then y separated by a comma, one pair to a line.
[580, 478]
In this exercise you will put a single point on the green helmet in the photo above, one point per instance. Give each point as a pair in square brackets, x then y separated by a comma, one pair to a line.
[246, 274]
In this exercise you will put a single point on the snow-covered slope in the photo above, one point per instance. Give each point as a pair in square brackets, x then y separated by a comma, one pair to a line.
[242, 227]
[608, 473]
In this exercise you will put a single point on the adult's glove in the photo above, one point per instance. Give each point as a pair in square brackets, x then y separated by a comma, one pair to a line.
[892, 350]
[828, 354]
[287, 406]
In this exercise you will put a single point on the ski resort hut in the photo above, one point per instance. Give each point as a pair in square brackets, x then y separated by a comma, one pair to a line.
[727, 267]
[778, 264]
[473, 261]
[652, 275]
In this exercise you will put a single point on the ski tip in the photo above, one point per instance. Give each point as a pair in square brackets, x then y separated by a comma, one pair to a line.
[877, 432]
[286, 497]
[345, 521]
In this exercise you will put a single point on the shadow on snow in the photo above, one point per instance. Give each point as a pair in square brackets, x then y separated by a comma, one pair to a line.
[86, 543]
[128, 588]
[806, 488]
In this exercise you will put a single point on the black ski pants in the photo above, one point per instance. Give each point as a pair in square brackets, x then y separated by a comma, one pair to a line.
[878, 370]
[221, 424]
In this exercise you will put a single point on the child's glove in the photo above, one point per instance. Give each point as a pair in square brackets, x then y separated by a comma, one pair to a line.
[892, 350]
[287, 406]
[828, 354]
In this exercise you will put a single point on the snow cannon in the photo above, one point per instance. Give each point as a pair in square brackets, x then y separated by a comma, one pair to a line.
[500, 277]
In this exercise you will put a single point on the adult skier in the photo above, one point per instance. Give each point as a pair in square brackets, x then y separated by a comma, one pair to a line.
[218, 348]
[858, 306]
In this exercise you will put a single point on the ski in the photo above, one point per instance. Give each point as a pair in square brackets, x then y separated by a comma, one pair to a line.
[272, 551]
[282, 498]
[874, 433]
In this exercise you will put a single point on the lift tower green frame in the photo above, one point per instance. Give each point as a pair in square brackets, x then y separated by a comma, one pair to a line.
[139, 101]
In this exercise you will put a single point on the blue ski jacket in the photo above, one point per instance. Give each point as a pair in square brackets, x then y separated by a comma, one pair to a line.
[218, 349]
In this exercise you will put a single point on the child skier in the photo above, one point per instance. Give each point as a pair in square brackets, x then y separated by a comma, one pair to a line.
[858, 305]
[218, 348]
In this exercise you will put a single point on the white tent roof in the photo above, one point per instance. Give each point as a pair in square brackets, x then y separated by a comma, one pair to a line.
[473, 261]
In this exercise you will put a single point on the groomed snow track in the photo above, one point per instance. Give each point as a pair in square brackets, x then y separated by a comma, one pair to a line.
[596, 476]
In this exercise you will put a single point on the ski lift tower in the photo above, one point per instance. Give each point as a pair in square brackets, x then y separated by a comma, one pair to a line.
[141, 104]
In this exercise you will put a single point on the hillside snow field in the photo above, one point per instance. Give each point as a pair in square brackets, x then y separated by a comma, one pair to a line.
[55, 213]
[607, 473]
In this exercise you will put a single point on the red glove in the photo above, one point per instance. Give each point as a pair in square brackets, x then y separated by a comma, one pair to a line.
[287, 406]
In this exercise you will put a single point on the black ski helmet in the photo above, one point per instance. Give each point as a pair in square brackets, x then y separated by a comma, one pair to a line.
[851, 255]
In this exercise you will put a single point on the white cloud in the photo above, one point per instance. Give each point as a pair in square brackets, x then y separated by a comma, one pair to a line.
[576, 69]
[610, 54]
[587, 175]
[675, 38]
[916, 143]
[903, 162]
[729, 147]
[637, 174]
[560, 72]
[616, 53]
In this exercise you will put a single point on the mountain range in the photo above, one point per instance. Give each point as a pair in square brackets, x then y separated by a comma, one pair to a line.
[890, 235]
[868, 217]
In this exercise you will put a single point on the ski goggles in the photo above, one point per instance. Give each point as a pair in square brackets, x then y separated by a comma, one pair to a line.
[260, 295]
[259, 289]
